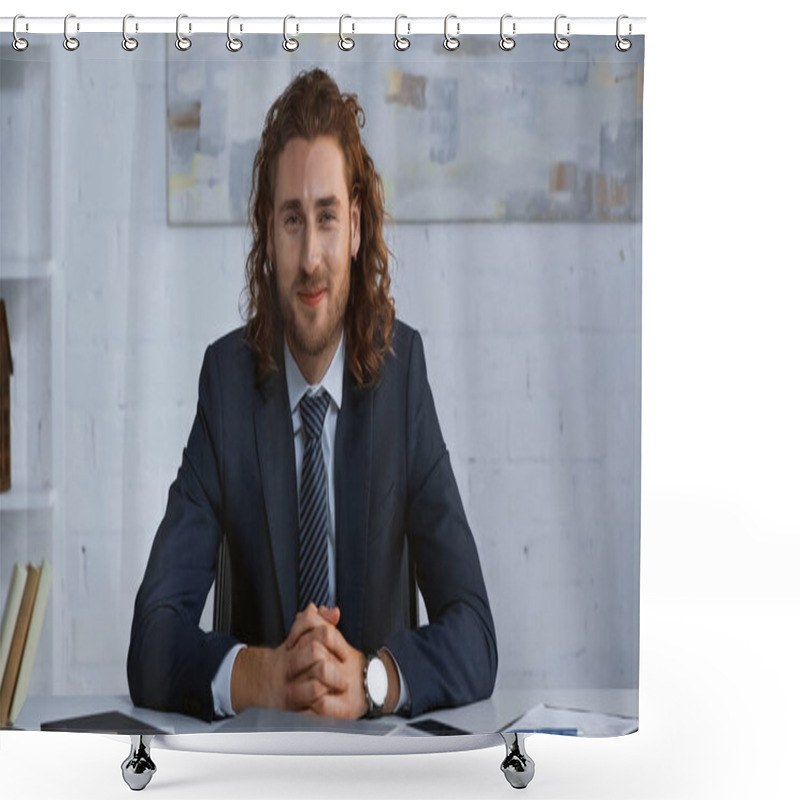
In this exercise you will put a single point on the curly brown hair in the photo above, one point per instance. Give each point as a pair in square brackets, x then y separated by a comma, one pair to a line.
[312, 106]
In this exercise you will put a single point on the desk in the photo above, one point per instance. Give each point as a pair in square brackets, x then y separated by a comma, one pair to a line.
[274, 732]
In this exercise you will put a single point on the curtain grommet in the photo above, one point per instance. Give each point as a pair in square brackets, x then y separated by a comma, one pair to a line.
[18, 43]
[400, 42]
[129, 43]
[451, 42]
[182, 42]
[622, 44]
[70, 42]
[346, 43]
[507, 43]
[233, 44]
[290, 44]
[561, 43]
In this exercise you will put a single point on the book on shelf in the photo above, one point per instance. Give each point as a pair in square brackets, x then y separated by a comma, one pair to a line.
[10, 613]
[26, 623]
[6, 370]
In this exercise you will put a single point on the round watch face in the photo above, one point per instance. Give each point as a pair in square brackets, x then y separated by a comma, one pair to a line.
[377, 681]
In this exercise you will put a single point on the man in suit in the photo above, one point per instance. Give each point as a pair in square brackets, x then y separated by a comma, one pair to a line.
[316, 451]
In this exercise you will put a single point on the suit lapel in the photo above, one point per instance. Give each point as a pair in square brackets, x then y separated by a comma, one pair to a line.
[275, 440]
[352, 471]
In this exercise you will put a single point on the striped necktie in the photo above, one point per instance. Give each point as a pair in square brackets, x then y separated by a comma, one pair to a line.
[313, 556]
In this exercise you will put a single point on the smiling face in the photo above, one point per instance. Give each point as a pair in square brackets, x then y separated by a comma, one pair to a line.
[314, 231]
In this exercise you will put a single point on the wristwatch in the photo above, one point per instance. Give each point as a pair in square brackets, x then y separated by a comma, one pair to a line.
[376, 685]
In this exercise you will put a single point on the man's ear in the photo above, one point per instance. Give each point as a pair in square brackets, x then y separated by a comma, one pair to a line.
[355, 226]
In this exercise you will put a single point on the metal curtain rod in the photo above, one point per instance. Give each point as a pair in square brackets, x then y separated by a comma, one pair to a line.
[457, 26]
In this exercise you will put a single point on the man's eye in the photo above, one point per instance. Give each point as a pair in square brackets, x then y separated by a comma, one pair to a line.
[327, 216]
[292, 220]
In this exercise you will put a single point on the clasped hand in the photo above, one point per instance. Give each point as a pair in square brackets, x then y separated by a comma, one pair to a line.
[316, 670]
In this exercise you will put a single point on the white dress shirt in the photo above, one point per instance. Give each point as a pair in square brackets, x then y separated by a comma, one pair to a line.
[332, 382]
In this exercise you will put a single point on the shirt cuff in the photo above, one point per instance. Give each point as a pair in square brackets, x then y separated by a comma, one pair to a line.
[404, 701]
[221, 685]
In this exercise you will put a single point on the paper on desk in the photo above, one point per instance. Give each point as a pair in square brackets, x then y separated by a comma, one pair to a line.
[573, 722]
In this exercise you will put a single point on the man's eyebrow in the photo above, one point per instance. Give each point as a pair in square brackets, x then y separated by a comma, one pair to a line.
[323, 202]
[289, 205]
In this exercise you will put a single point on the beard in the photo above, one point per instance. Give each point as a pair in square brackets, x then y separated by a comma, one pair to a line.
[311, 333]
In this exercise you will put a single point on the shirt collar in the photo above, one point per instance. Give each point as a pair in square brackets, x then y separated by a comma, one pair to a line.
[332, 381]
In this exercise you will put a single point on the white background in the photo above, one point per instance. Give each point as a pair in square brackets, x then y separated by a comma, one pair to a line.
[720, 610]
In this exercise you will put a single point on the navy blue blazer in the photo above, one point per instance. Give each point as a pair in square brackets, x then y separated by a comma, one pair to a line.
[396, 499]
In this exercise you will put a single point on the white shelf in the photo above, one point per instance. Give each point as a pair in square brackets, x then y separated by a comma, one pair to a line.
[32, 284]
[25, 269]
[27, 499]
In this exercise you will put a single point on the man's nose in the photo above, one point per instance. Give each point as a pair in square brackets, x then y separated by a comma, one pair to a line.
[311, 250]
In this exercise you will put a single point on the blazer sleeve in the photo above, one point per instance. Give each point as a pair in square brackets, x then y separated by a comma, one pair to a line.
[171, 661]
[452, 660]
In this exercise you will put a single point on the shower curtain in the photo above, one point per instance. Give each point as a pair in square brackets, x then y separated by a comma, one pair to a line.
[513, 190]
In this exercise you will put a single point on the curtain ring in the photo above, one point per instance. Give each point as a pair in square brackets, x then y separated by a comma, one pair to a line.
[400, 42]
[345, 42]
[289, 44]
[181, 42]
[233, 44]
[70, 42]
[19, 44]
[561, 44]
[623, 45]
[450, 42]
[128, 42]
[506, 42]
